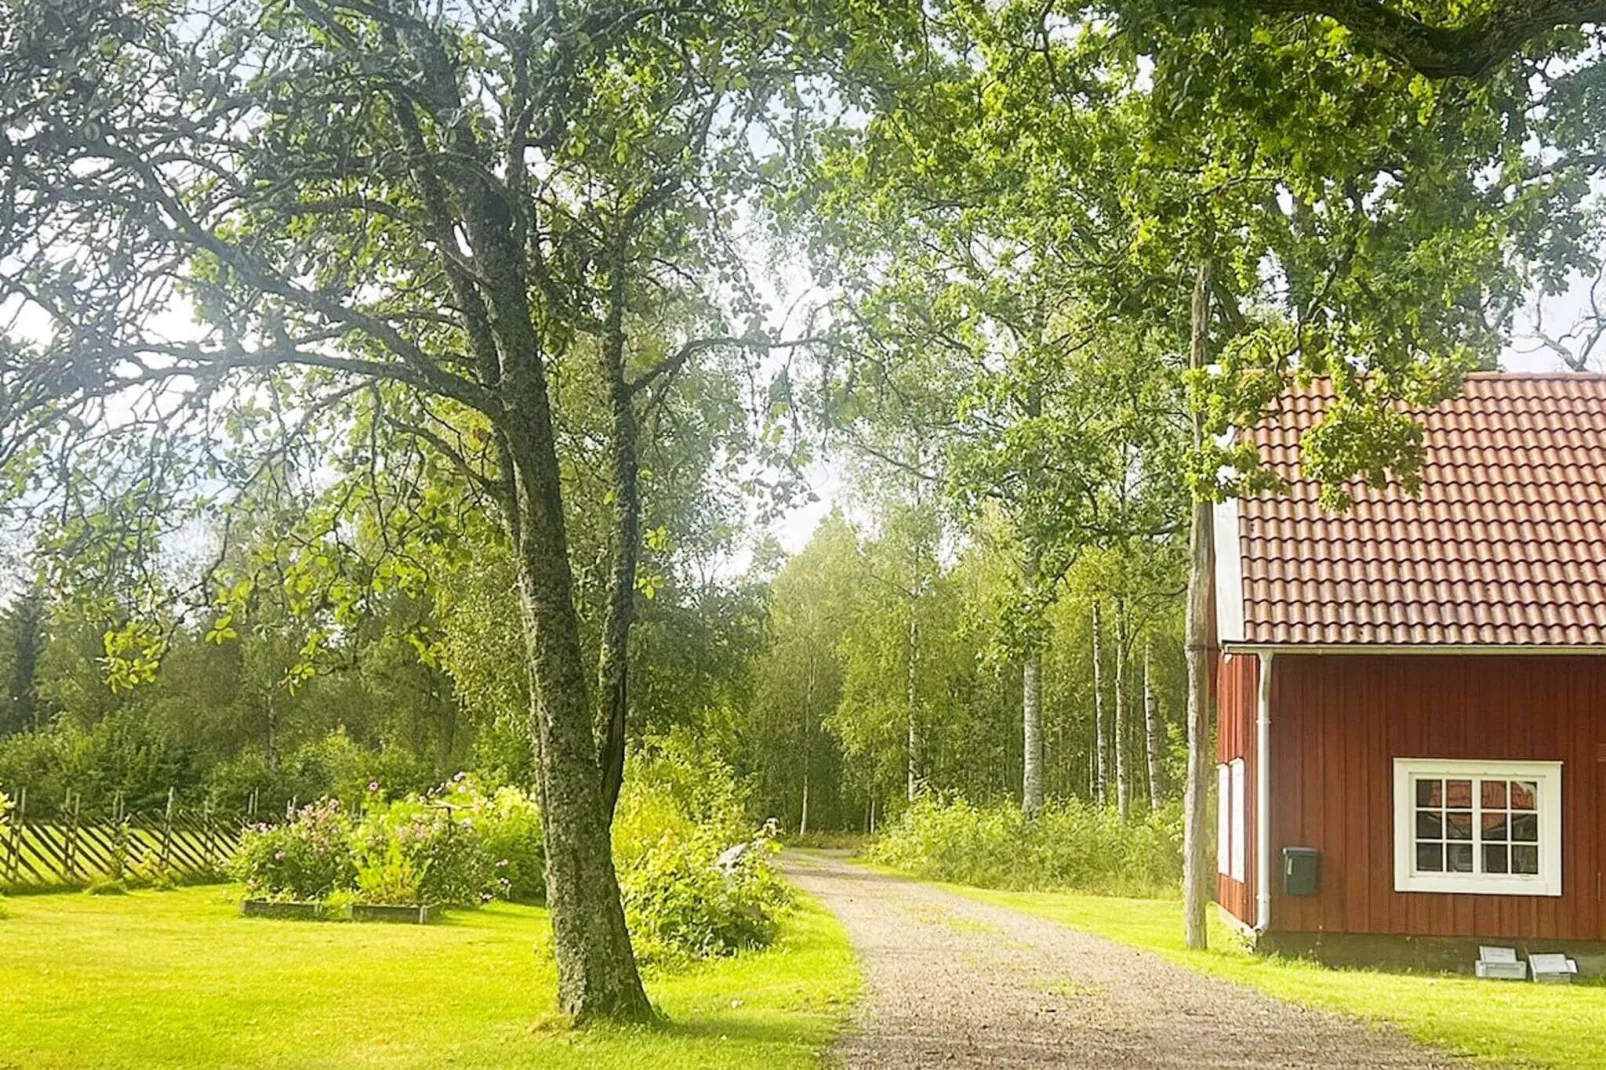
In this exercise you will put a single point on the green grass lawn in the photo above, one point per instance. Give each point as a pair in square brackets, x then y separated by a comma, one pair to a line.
[179, 979]
[1497, 1022]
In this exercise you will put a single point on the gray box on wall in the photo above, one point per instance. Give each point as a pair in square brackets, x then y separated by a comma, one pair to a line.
[1302, 871]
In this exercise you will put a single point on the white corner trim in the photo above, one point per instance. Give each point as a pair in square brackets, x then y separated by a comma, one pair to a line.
[1263, 794]
[1547, 882]
[1229, 573]
[1224, 820]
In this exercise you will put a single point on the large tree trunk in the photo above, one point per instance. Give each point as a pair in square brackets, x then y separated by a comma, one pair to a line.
[1123, 780]
[1100, 777]
[1032, 716]
[1152, 731]
[597, 976]
[1201, 567]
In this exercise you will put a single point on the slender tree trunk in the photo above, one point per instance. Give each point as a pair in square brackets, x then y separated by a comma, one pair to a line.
[1152, 731]
[808, 740]
[1123, 780]
[1032, 707]
[1201, 567]
[1032, 704]
[272, 743]
[912, 702]
[624, 462]
[1100, 777]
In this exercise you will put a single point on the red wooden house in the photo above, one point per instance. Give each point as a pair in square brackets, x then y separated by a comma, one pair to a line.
[1412, 695]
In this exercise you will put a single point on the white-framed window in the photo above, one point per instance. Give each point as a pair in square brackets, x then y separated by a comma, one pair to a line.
[1479, 827]
[1223, 820]
[1240, 846]
[1231, 850]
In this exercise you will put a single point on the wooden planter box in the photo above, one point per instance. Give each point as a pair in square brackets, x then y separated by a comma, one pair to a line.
[420, 914]
[269, 908]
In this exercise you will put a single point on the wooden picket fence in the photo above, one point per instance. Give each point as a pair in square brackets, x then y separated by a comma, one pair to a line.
[72, 848]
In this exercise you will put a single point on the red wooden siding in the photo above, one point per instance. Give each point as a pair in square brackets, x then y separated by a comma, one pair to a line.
[1337, 723]
[1237, 682]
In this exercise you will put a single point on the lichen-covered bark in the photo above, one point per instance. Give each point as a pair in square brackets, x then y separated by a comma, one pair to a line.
[597, 975]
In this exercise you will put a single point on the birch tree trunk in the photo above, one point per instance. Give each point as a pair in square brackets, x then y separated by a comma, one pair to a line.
[808, 748]
[1100, 779]
[912, 700]
[1201, 567]
[1032, 715]
[1152, 731]
[1123, 781]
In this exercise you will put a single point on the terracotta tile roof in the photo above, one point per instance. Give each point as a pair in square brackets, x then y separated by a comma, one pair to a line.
[1505, 547]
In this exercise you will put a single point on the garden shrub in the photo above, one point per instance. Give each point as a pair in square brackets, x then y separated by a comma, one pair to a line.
[307, 857]
[674, 784]
[508, 823]
[439, 844]
[393, 879]
[1070, 845]
[681, 809]
[682, 904]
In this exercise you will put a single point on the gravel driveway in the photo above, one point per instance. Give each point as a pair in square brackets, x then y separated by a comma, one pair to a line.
[954, 983]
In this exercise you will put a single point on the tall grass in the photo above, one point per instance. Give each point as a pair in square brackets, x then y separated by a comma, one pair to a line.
[1069, 845]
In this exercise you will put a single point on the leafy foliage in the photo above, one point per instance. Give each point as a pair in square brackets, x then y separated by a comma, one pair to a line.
[1071, 845]
[680, 813]
[682, 904]
[307, 857]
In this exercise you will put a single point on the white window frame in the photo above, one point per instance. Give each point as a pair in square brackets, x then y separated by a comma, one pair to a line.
[1547, 882]
[1223, 820]
[1240, 822]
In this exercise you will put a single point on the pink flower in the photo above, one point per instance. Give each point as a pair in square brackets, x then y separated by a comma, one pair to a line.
[373, 785]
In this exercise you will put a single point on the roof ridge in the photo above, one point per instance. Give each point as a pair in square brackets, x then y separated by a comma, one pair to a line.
[1558, 373]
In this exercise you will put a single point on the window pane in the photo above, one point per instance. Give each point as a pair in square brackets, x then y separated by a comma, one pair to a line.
[1494, 826]
[1524, 859]
[1430, 858]
[1494, 857]
[1458, 793]
[1458, 857]
[1523, 794]
[1525, 827]
[1458, 825]
[1429, 825]
[1494, 794]
[1430, 793]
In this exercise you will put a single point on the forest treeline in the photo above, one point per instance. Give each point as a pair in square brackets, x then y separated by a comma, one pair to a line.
[830, 687]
